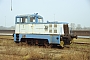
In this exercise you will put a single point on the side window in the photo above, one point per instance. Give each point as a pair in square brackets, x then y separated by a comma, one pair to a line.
[18, 20]
[40, 20]
[32, 19]
[22, 20]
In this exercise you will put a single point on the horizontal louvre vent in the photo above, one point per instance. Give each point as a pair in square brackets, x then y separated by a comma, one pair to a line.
[55, 31]
[50, 31]
[55, 25]
[50, 25]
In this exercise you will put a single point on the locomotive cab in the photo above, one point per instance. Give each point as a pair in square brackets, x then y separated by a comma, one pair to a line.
[29, 19]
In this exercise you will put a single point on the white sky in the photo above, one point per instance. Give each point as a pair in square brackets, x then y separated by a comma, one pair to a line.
[71, 11]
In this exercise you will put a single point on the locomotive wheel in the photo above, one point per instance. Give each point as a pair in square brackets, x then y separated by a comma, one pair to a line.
[23, 43]
[50, 46]
[47, 45]
[31, 42]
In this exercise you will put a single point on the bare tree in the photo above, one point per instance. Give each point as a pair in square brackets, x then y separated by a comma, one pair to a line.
[78, 27]
[72, 26]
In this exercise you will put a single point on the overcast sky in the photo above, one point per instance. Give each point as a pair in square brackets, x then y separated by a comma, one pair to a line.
[71, 11]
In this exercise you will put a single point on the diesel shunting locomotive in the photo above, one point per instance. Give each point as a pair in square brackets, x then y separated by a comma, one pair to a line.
[32, 30]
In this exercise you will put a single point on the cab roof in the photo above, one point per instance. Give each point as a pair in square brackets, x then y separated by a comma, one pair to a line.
[29, 15]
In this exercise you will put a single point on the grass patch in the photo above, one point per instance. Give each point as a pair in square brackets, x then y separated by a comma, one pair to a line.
[12, 51]
[82, 40]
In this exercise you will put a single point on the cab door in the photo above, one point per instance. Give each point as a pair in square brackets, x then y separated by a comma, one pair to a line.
[66, 29]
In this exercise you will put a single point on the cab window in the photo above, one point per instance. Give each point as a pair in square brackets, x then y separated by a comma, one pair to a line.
[32, 19]
[40, 20]
[21, 20]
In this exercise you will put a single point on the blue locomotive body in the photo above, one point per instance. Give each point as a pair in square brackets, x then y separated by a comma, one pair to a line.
[52, 39]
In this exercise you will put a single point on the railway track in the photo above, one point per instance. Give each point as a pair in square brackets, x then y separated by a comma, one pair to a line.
[54, 47]
[73, 42]
[25, 44]
[81, 43]
[6, 39]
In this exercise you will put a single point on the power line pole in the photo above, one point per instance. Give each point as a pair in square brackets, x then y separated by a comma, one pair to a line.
[54, 17]
[5, 21]
[11, 5]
